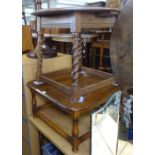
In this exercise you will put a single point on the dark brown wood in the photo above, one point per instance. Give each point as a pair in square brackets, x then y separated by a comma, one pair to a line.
[46, 105]
[76, 19]
[93, 87]
[63, 88]
[99, 73]
[121, 49]
[75, 132]
[75, 61]
[53, 11]
[88, 77]
[61, 101]
[89, 81]
[95, 91]
[34, 103]
[84, 137]
[77, 52]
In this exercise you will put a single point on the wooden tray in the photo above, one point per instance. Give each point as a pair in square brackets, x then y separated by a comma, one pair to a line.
[89, 80]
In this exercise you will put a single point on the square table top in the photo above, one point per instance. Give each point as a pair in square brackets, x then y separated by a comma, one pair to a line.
[54, 11]
[62, 101]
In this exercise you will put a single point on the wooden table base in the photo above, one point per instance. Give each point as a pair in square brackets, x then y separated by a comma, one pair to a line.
[74, 111]
[75, 139]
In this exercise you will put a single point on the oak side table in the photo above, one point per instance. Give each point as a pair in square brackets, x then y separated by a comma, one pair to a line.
[77, 90]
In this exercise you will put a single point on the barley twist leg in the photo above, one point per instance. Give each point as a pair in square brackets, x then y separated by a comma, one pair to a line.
[76, 66]
[75, 134]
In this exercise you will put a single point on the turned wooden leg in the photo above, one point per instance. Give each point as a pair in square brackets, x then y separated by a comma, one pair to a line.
[34, 104]
[80, 53]
[76, 66]
[75, 133]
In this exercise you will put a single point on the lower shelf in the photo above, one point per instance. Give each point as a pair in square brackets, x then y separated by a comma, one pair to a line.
[64, 121]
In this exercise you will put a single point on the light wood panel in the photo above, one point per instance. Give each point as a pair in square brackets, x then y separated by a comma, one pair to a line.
[25, 148]
[24, 130]
[113, 3]
[27, 44]
[23, 109]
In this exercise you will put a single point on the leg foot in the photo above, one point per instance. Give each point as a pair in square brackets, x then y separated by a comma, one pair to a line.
[75, 133]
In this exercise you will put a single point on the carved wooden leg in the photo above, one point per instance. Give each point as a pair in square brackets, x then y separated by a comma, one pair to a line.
[75, 133]
[75, 66]
[39, 56]
[34, 104]
[80, 54]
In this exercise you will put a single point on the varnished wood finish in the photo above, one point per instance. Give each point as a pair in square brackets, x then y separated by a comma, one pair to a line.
[54, 11]
[93, 99]
[76, 19]
[89, 81]
[54, 127]
[76, 50]
[75, 132]
[62, 101]
[59, 86]
[84, 137]
[92, 84]
[29, 67]
[64, 121]
[27, 44]
[34, 103]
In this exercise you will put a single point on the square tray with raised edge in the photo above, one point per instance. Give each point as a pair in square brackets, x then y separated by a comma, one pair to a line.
[89, 80]
[62, 101]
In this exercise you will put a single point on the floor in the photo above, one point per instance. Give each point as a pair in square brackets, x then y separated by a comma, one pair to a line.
[125, 146]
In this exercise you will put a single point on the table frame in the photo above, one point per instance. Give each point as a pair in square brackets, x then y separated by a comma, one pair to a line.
[75, 111]
[75, 19]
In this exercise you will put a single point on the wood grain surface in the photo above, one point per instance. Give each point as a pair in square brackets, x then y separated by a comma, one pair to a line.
[53, 11]
[27, 43]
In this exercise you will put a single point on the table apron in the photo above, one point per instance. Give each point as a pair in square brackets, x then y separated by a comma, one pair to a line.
[76, 23]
